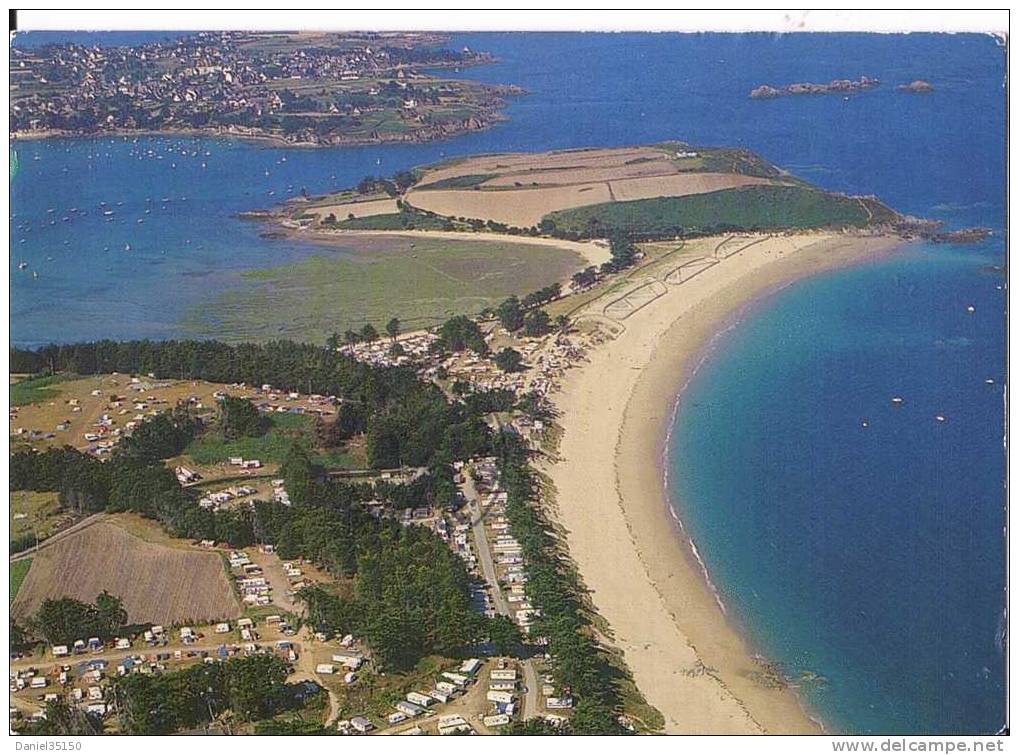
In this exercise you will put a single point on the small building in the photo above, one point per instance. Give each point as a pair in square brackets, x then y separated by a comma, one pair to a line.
[60, 651]
[361, 724]
[453, 724]
[419, 698]
[408, 708]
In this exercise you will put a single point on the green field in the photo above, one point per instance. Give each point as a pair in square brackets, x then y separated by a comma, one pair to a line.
[42, 512]
[395, 221]
[211, 448]
[751, 208]
[33, 389]
[458, 182]
[423, 281]
[19, 570]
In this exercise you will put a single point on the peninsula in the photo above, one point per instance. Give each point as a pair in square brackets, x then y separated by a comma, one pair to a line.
[439, 488]
[300, 88]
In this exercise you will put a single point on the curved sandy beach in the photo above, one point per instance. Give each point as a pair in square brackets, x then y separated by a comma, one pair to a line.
[685, 657]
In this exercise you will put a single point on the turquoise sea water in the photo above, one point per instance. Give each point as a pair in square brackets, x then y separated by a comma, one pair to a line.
[872, 557]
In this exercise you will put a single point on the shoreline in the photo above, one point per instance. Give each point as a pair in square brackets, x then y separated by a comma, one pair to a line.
[485, 121]
[591, 252]
[686, 655]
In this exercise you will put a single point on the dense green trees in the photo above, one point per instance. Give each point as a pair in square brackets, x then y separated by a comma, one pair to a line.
[509, 360]
[17, 637]
[405, 419]
[239, 418]
[125, 483]
[461, 332]
[537, 324]
[585, 278]
[163, 436]
[252, 687]
[510, 314]
[542, 296]
[504, 635]
[62, 720]
[393, 327]
[623, 251]
[61, 621]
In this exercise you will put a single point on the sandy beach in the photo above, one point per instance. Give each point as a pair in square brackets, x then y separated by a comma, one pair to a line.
[593, 253]
[686, 658]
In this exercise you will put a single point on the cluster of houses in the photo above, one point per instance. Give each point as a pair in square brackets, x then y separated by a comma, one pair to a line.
[546, 360]
[445, 687]
[252, 584]
[82, 686]
[414, 349]
[346, 661]
[215, 500]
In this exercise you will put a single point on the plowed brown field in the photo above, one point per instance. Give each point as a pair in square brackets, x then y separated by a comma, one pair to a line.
[158, 583]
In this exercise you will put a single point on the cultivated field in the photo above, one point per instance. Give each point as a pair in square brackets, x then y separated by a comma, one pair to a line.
[343, 211]
[517, 207]
[158, 583]
[519, 190]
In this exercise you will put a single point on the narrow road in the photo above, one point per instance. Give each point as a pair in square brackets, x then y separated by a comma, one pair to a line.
[112, 657]
[531, 695]
[481, 542]
[58, 536]
[530, 708]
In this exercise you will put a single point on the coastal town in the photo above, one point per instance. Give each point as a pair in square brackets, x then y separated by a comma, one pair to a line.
[300, 88]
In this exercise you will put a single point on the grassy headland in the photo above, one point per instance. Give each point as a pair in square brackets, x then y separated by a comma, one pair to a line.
[751, 208]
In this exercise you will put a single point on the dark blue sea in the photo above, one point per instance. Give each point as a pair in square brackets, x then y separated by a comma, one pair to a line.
[870, 556]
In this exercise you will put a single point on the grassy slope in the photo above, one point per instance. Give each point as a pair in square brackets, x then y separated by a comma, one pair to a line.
[756, 207]
[19, 570]
[422, 281]
[42, 509]
[34, 389]
[395, 221]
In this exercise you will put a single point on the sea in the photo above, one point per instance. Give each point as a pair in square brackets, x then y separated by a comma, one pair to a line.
[858, 543]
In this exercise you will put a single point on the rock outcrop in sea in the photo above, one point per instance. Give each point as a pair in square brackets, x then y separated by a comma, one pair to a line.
[919, 86]
[836, 86]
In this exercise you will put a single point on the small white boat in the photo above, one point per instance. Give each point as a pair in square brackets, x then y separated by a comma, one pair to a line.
[971, 309]
[897, 399]
[989, 381]
[127, 247]
[939, 417]
[22, 265]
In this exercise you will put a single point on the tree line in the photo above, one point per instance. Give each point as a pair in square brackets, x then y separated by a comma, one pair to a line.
[579, 666]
